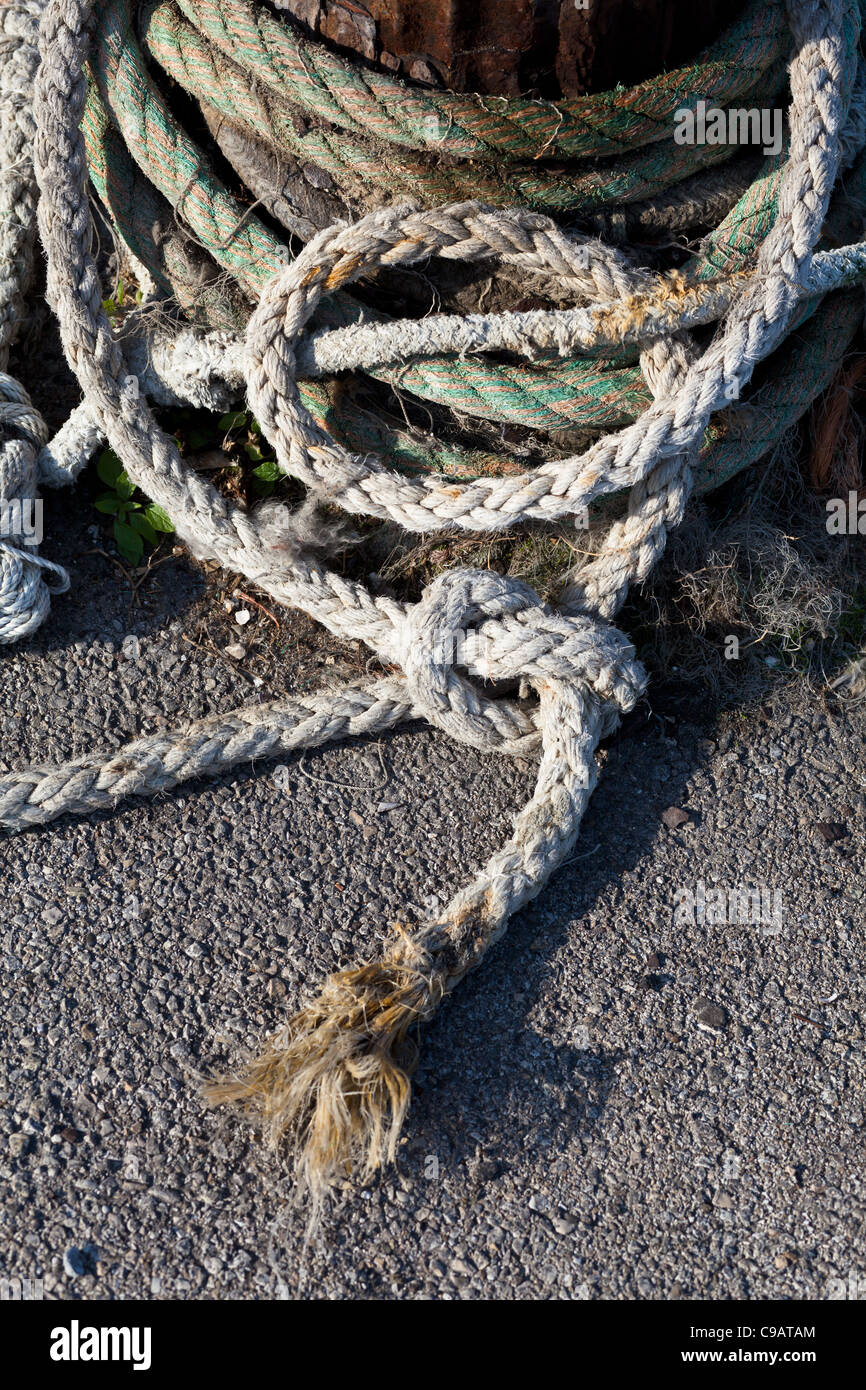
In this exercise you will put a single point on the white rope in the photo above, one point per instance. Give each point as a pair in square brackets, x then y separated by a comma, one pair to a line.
[469, 624]
[24, 576]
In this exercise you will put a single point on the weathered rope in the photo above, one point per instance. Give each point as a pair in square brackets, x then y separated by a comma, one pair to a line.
[336, 1077]
[356, 167]
[26, 578]
[348, 95]
[574, 393]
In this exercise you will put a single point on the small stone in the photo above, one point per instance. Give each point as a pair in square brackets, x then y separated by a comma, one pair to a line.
[710, 1015]
[319, 178]
[674, 817]
[73, 1262]
[830, 831]
[563, 1225]
[210, 461]
[71, 1135]
[653, 962]
[243, 616]
[131, 647]
[420, 71]
[235, 651]
[18, 1144]
[347, 24]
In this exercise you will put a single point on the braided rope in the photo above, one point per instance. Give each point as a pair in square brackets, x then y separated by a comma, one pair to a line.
[336, 1075]
[357, 166]
[25, 586]
[568, 394]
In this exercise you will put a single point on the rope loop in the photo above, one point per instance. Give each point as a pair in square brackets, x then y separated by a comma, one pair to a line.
[498, 627]
[18, 414]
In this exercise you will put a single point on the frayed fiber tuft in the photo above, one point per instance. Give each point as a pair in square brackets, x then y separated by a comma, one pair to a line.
[335, 1079]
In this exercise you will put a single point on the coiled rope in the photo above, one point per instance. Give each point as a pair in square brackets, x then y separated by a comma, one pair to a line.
[336, 1076]
[26, 579]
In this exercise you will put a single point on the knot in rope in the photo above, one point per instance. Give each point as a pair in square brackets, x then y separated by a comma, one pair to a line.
[496, 627]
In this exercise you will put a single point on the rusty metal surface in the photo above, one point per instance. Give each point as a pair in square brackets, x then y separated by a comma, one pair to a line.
[546, 48]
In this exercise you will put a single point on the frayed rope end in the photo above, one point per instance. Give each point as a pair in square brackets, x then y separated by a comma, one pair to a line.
[334, 1080]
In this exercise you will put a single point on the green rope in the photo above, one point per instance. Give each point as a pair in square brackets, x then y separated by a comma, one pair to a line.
[357, 169]
[179, 269]
[348, 95]
[135, 144]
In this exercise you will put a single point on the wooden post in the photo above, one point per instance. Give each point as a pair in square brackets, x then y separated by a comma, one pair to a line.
[544, 48]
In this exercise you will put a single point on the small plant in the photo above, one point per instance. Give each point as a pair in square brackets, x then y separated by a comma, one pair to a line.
[137, 522]
[266, 471]
[114, 304]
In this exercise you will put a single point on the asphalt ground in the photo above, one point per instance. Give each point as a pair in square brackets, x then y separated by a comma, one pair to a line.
[624, 1102]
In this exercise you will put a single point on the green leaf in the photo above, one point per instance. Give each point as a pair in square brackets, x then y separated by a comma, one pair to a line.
[269, 471]
[129, 542]
[109, 467]
[123, 485]
[159, 520]
[108, 502]
[253, 452]
[232, 420]
[139, 522]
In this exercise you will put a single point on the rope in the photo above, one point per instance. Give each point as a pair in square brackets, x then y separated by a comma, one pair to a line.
[357, 167]
[620, 357]
[571, 394]
[26, 581]
[336, 1077]
[354, 98]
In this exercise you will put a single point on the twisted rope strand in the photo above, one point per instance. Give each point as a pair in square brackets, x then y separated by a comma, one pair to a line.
[349, 95]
